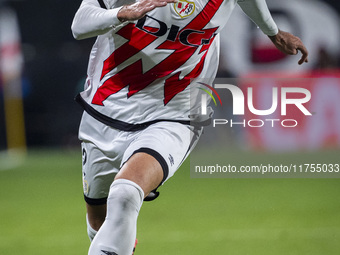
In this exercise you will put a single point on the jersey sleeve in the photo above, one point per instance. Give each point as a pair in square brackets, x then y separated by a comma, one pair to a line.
[92, 20]
[110, 4]
[258, 12]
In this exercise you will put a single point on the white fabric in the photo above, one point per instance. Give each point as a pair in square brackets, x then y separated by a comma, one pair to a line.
[142, 71]
[92, 20]
[106, 149]
[118, 232]
[258, 11]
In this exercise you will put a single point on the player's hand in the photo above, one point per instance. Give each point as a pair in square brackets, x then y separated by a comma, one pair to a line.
[290, 44]
[139, 9]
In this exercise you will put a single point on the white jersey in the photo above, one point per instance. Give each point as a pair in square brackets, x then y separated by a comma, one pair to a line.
[143, 71]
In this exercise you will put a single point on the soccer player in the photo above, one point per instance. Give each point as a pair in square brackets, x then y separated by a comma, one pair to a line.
[139, 124]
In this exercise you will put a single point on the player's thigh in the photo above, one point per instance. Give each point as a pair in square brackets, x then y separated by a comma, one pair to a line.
[144, 170]
[99, 171]
[102, 148]
[168, 143]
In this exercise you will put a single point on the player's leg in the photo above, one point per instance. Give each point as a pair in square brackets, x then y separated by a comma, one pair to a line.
[140, 174]
[95, 217]
[102, 150]
[98, 172]
[144, 170]
[96, 213]
[152, 157]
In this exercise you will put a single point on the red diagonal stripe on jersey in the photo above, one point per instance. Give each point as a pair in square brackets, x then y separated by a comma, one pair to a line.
[137, 80]
[139, 41]
[175, 85]
[126, 76]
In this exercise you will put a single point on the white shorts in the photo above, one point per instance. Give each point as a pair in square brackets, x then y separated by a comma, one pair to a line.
[106, 149]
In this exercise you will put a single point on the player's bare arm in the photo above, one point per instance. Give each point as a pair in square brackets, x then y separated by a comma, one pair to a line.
[290, 44]
[258, 11]
[139, 9]
[91, 20]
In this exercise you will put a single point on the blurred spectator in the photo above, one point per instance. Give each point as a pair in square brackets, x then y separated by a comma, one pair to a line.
[11, 62]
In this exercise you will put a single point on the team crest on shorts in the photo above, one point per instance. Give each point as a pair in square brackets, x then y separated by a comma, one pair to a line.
[85, 187]
[184, 8]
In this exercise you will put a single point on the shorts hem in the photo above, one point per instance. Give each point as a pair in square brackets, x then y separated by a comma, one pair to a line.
[95, 201]
[159, 158]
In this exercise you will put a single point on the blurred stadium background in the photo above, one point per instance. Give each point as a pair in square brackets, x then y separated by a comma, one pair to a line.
[41, 207]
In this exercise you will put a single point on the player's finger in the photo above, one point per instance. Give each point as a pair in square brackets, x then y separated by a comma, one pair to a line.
[161, 3]
[151, 4]
[303, 59]
[304, 52]
[165, 2]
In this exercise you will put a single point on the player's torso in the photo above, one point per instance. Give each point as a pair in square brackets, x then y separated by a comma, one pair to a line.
[142, 71]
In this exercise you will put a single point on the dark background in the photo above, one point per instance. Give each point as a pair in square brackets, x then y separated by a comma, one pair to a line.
[54, 72]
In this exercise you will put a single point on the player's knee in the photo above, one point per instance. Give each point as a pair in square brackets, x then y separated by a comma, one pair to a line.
[125, 194]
